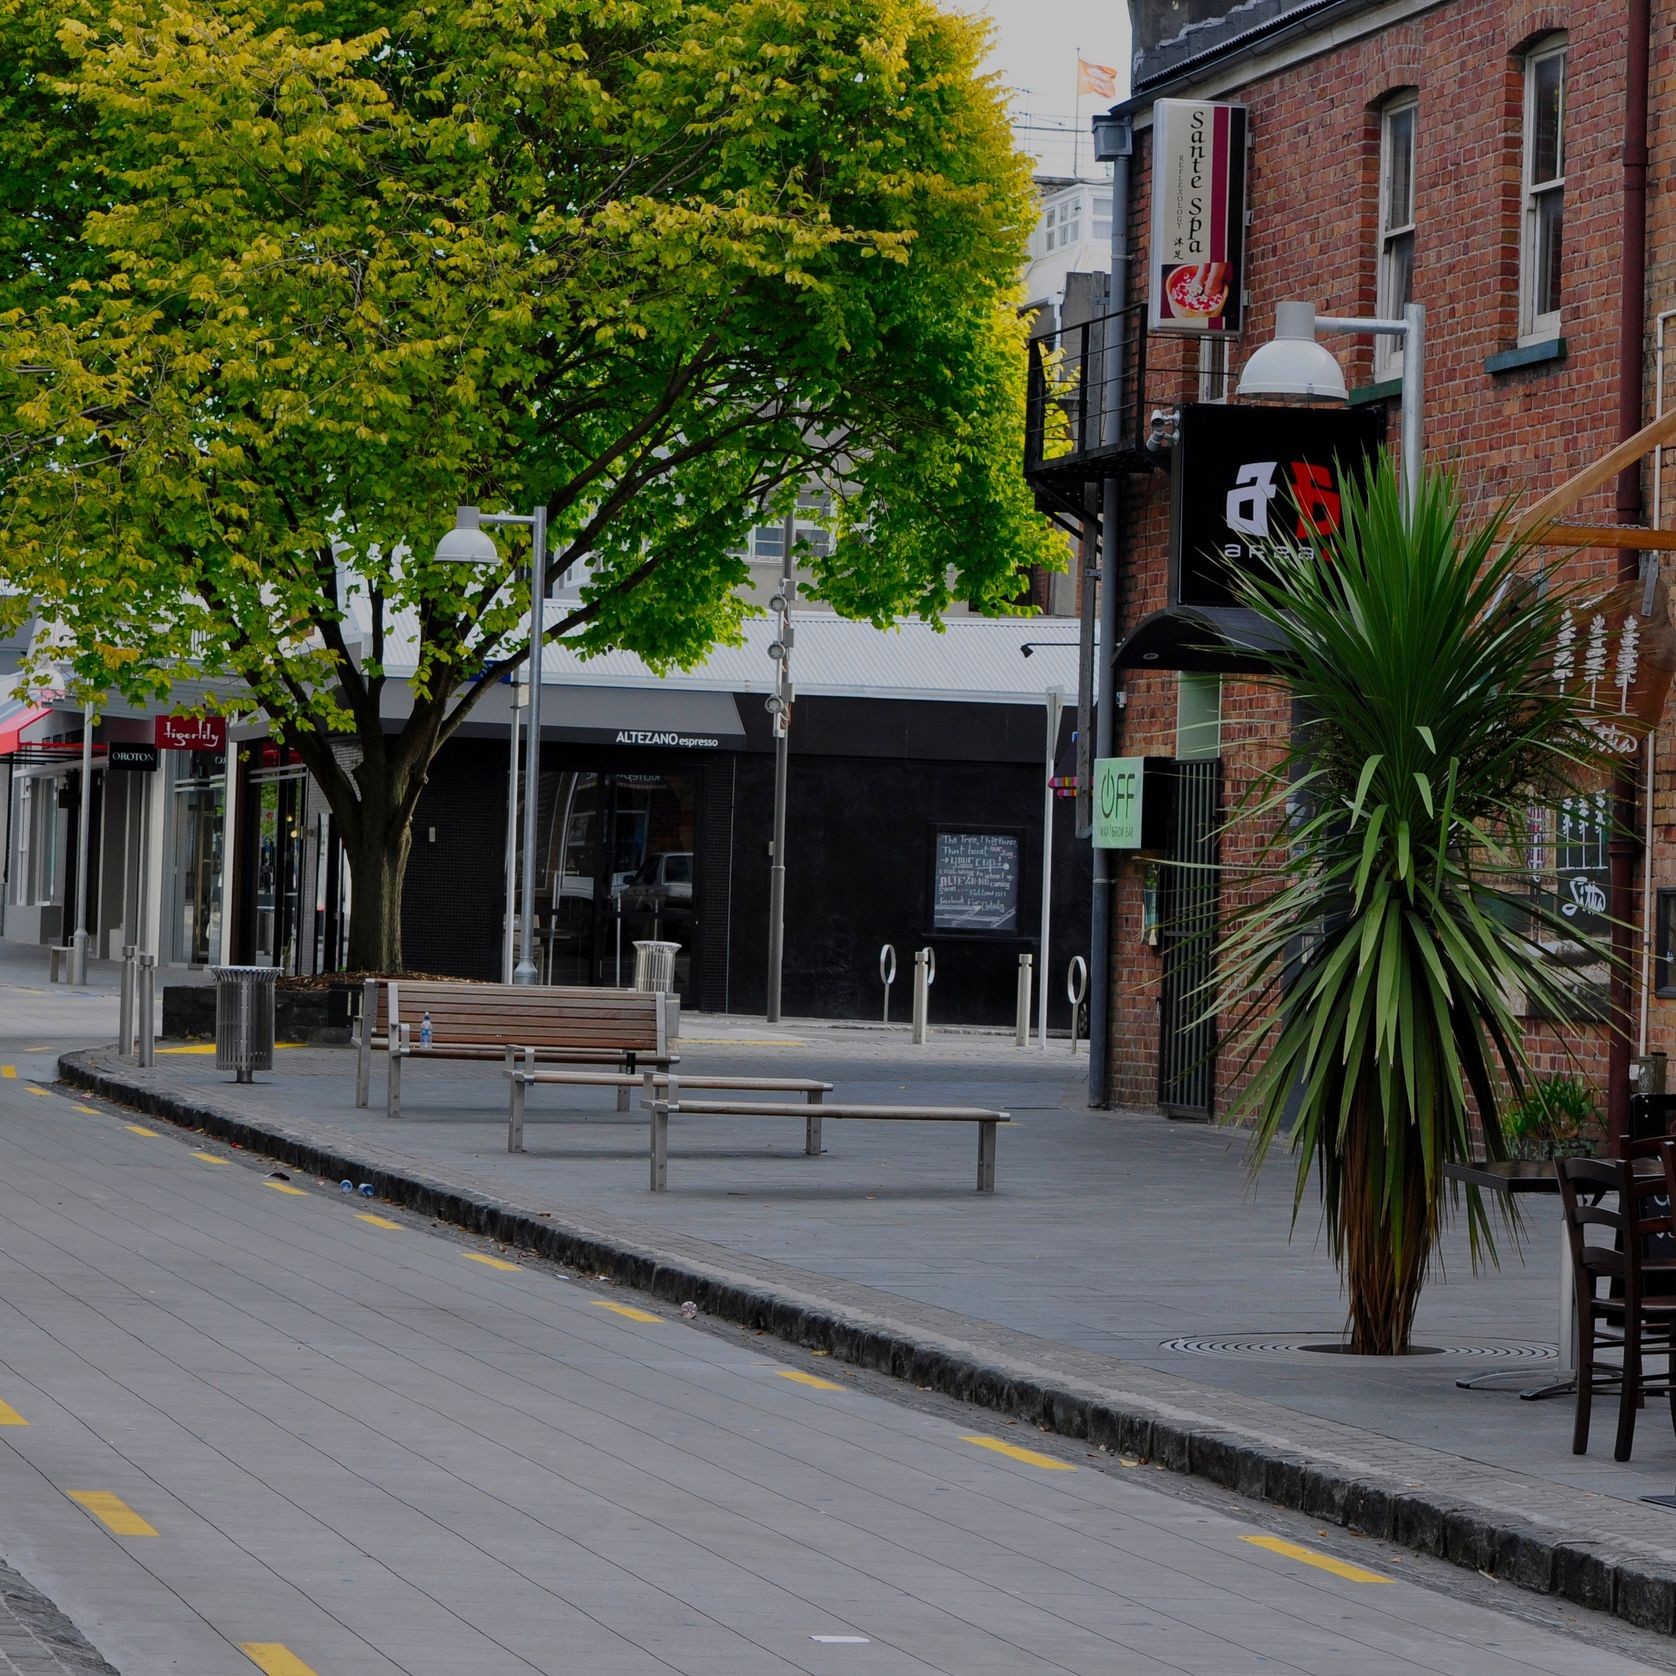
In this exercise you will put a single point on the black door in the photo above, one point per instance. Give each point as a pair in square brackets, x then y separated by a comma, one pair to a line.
[1188, 886]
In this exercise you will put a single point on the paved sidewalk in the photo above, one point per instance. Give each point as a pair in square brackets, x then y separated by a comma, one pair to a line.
[1111, 1240]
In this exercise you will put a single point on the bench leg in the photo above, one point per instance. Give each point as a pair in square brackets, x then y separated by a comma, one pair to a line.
[812, 1128]
[515, 1116]
[363, 1066]
[623, 1094]
[660, 1146]
[986, 1157]
[393, 1084]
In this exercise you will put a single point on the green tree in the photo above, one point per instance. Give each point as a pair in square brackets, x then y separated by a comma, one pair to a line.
[1378, 966]
[292, 280]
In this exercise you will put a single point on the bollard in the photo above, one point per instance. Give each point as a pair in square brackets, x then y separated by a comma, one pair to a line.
[887, 973]
[925, 975]
[148, 997]
[1076, 986]
[125, 1005]
[1021, 1016]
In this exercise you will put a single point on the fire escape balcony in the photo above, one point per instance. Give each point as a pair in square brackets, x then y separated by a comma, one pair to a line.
[1082, 426]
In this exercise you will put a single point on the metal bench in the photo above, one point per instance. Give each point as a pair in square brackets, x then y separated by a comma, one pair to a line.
[528, 1075]
[620, 1029]
[670, 1103]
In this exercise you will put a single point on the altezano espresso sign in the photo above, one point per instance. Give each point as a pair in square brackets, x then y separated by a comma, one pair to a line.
[683, 741]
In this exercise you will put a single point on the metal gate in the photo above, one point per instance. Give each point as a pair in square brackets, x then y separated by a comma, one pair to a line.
[1188, 886]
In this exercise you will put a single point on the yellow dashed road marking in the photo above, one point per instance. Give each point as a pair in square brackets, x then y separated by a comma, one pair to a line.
[39, 1093]
[1013, 1453]
[9, 1416]
[489, 1262]
[210, 1158]
[627, 1311]
[1322, 1562]
[376, 1221]
[209, 1047]
[8, 1070]
[275, 1658]
[286, 1187]
[112, 1512]
[91, 1111]
[39, 1047]
[809, 1379]
[140, 1129]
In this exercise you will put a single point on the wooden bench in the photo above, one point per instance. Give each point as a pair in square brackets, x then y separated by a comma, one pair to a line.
[621, 1029]
[528, 1075]
[672, 1104]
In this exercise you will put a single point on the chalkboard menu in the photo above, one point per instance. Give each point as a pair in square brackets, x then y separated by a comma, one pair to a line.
[975, 882]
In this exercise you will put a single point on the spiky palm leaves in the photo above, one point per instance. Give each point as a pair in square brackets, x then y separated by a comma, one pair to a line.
[1378, 972]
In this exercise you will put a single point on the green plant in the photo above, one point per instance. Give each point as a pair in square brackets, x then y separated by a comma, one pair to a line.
[1551, 1119]
[1374, 971]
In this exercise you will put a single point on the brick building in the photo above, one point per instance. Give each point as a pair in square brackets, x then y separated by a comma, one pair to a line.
[1466, 155]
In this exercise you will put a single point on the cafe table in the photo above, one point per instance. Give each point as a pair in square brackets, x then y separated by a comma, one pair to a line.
[1535, 1175]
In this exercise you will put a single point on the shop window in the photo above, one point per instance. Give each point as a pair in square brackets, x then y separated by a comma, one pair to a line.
[1396, 224]
[1214, 384]
[1542, 236]
[1664, 944]
[1198, 715]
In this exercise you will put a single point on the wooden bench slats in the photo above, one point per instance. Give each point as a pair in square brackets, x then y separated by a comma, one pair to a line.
[660, 1079]
[622, 1030]
[768, 1108]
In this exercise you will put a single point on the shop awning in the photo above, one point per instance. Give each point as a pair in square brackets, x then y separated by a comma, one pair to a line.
[1203, 639]
[15, 715]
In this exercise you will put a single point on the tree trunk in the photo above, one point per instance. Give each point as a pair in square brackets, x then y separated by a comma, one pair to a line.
[377, 857]
[1384, 1287]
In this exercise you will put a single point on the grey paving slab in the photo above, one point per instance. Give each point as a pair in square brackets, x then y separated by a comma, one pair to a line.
[358, 1443]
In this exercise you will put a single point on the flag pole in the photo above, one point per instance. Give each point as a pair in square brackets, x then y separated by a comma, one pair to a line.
[1076, 131]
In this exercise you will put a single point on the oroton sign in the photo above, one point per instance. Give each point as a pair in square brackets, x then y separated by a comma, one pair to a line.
[191, 733]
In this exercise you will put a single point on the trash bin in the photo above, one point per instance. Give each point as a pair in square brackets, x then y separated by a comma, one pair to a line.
[654, 967]
[244, 1019]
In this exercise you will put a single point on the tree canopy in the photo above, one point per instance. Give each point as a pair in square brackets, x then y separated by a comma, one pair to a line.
[285, 281]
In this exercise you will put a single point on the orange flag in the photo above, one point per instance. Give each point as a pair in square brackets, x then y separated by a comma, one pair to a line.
[1098, 79]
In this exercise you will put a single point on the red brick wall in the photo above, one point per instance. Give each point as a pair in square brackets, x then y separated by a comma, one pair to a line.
[1314, 197]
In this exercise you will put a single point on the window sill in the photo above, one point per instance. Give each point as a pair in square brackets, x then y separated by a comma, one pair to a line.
[1526, 355]
[1387, 389]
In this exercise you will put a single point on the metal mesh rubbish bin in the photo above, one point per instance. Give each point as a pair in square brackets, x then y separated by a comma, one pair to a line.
[654, 967]
[244, 1019]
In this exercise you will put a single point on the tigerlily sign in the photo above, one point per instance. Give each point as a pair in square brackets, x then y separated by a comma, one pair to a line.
[1198, 216]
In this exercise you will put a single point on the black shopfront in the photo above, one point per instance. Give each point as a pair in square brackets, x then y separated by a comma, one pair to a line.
[912, 823]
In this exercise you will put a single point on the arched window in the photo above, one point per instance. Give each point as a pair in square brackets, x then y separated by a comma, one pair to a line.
[1542, 236]
[1397, 123]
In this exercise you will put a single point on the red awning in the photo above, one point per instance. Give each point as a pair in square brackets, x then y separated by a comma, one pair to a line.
[14, 720]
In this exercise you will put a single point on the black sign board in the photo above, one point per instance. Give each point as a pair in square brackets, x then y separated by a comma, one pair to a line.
[134, 759]
[975, 881]
[1245, 477]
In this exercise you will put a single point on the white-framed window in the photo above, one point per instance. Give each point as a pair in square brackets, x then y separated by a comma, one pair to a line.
[1102, 218]
[1396, 224]
[1062, 223]
[1542, 240]
[1214, 382]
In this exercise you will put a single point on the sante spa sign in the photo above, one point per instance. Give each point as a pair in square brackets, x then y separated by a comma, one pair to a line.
[1198, 216]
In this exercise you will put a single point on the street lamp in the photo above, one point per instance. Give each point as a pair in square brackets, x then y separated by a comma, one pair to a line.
[1295, 364]
[468, 544]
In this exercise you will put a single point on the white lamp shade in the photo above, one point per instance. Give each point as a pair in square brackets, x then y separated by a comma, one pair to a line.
[467, 542]
[1294, 363]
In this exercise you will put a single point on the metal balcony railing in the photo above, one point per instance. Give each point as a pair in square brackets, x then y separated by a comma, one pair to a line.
[1081, 426]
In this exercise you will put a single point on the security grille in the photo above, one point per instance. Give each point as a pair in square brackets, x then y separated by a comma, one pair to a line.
[1188, 887]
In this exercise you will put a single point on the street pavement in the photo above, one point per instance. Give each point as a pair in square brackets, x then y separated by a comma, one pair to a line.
[256, 1423]
[1116, 1235]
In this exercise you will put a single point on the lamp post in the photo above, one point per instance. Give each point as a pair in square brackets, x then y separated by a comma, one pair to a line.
[779, 707]
[1294, 363]
[84, 815]
[467, 543]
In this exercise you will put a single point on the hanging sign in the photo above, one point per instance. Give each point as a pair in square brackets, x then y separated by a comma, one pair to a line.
[1618, 660]
[132, 759]
[1198, 216]
[1131, 802]
[1244, 478]
[191, 733]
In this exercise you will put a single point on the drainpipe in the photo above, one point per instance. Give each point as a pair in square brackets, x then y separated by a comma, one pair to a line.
[1624, 849]
[1100, 917]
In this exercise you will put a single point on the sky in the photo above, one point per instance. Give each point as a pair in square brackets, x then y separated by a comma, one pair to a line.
[1035, 53]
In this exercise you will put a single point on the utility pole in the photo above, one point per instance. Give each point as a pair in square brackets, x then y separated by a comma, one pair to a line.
[84, 816]
[779, 707]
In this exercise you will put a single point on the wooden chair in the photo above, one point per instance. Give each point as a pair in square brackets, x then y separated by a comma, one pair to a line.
[1634, 1209]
